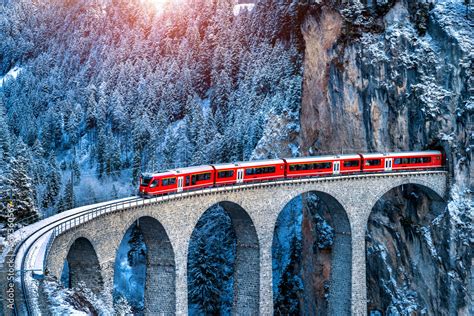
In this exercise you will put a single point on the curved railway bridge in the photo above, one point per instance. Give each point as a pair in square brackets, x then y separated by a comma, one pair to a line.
[89, 238]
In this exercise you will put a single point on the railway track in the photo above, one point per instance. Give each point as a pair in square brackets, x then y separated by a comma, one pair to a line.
[23, 248]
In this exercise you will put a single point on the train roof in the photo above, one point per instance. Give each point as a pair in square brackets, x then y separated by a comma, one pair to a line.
[257, 163]
[402, 154]
[160, 173]
[321, 158]
[178, 171]
[192, 169]
[222, 166]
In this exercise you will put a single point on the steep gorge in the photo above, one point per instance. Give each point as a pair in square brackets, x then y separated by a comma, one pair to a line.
[389, 76]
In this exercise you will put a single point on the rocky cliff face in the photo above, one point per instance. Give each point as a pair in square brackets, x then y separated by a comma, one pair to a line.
[388, 76]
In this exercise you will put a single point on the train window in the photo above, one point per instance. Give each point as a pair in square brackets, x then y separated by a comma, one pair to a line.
[427, 159]
[187, 180]
[397, 161]
[200, 177]
[293, 167]
[260, 170]
[372, 162]
[146, 181]
[351, 163]
[323, 165]
[225, 174]
[168, 181]
[154, 183]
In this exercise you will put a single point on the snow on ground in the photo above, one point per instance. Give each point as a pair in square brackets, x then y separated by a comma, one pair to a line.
[78, 301]
[36, 254]
[37, 228]
[12, 74]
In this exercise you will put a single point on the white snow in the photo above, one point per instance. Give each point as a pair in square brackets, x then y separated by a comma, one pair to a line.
[10, 75]
[243, 7]
[36, 254]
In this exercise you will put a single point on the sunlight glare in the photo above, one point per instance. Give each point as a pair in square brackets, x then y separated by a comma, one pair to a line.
[161, 5]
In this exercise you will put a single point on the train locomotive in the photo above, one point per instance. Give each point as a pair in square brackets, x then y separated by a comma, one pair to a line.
[193, 178]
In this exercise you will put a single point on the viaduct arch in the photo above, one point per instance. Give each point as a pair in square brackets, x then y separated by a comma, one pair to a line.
[339, 296]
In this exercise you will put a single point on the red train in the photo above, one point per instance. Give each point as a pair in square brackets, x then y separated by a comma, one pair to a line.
[192, 178]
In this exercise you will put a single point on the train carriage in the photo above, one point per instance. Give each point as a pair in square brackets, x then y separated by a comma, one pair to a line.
[227, 174]
[177, 180]
[401, 161]
[159, 183]
[322, 165]
[260, 170]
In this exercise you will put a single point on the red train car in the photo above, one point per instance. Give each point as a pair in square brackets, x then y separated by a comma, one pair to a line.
[227, 174]
[322, 165]
[177, 180]
[260, 170]
[402, 161]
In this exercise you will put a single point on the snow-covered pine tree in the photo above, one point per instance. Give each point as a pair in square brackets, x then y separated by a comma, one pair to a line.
[76, 171]
[5, 138]
[290, 287]
[112, 161]
[121, 307]
[16, 190]
[101, 151]
[53, 186]
[69, 198]
[203, 280]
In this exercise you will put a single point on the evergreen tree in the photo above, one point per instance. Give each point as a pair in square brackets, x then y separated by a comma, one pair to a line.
[69, 199]
[101, 151]
[53, 186]
[169, 149]
[16, 189]
[76, 171]
[114, 192]
[291, 286]
[5, 138]
[203, 280]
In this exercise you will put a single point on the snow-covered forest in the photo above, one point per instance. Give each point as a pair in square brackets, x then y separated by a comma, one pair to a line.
[106, 89]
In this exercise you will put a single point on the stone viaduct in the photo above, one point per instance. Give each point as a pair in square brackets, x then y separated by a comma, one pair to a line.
[167, 225]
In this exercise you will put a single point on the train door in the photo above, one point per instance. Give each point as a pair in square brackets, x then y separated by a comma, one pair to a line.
[388, 164]
[240, 175]
[180, 184]
[336, 167]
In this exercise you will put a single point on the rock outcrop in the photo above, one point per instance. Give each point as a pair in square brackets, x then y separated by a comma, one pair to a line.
[390, 76]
